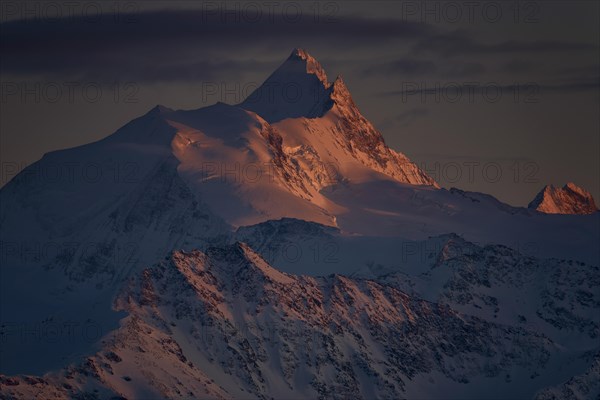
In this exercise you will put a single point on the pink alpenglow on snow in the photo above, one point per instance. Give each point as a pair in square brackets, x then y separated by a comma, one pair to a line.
[570, 199]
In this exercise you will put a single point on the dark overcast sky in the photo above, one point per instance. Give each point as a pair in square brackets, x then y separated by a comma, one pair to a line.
[528, 75]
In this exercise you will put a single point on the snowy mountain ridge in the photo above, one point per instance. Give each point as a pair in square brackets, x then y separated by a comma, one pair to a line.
[225, 324]
[279, 248]
[570, 199]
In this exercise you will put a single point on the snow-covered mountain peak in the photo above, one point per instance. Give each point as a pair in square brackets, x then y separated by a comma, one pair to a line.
[277, 249]
[300, 53]
[311, 64]
[570, 199]
[339, 86]
[160, 109]
[339, 91]
[574, 188]
[298, 88]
